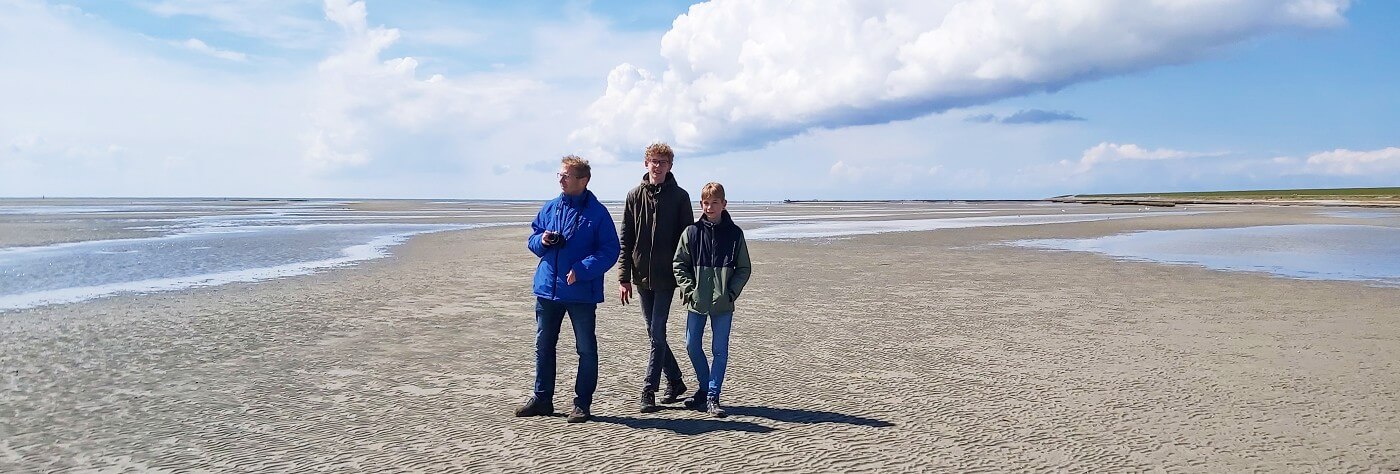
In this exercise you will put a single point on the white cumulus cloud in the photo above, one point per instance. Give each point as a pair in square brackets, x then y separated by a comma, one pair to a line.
[1348, 162]
[363, 101]
[1107, 152]
[741, 74]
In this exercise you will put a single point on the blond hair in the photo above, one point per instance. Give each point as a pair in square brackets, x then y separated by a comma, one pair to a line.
[578, 166]
[712, 190]
[659, 150]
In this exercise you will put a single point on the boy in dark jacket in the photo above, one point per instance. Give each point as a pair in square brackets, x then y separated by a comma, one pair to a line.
[656, 213]
[576, 241]
[712, 266]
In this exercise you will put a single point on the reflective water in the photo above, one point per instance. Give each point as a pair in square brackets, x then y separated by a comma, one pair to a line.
[827, 227]
[111, 246]
[1367, 253]
[201, 243]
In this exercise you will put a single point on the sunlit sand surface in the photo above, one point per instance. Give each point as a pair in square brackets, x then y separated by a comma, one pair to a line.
[911, 350]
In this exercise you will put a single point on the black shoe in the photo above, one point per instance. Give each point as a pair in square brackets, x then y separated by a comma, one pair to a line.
[696, 402]
[579, 415]
[535, 407]
[674, 392]
[713, 408]
[649, 403]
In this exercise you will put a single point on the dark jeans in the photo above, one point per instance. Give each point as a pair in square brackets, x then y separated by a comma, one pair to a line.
[549, 317]
[656, 309]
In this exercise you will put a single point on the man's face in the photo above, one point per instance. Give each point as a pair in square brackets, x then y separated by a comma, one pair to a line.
[712, 207]
[657, 167]
[571, 184]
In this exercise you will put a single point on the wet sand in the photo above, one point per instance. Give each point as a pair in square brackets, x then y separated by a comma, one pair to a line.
[910, 351]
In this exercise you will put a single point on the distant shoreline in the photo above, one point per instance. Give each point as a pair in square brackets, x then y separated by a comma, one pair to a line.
[1346, 197]
[1122, 201]
[1149, 201]
[1342, 197]
[888, 201]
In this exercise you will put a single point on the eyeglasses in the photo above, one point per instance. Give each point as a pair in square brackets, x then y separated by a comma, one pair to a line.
[659, 162]
[564, 175]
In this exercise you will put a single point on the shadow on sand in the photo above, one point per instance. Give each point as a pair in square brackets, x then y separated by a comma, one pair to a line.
[686, 426]
[786, 415]
[790, 415]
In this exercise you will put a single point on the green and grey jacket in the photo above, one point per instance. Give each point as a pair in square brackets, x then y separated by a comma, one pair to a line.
[712, 265]
[652, 222]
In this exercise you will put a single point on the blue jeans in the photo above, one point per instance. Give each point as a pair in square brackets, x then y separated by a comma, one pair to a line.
[711, 376]
[549, 317]
[656, 309]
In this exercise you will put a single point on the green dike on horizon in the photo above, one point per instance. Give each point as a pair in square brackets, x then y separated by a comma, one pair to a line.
[1334, 193]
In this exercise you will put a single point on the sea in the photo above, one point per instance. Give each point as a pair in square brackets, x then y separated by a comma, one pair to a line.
[57, 251]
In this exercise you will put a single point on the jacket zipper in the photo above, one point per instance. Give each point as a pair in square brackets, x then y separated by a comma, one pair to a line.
[651, 249]
[554, 280]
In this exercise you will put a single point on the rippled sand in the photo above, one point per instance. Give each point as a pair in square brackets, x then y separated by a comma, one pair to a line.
[896, 352]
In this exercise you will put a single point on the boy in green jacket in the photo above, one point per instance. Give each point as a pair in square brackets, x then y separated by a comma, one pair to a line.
[712, 265]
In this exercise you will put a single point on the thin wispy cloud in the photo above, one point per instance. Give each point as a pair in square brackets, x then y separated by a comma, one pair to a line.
[1041, 116]
[198, 46]
[742, 74]
[443, 36]
[898, 173]
[288, 23]
[1028, 116]
[1109, 152]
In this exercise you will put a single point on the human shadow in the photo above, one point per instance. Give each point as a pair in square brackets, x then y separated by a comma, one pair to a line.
[791, 415]
[685, 426]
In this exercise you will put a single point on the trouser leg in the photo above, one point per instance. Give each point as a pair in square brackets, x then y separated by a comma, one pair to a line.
[549, 317]
[584, 319]
[694, 345]
[656, 309]
[720, 324]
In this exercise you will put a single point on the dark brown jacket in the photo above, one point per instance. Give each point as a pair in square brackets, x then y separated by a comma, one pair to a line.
[652, 222]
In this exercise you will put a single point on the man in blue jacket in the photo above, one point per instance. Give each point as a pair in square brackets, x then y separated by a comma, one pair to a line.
[576, 241]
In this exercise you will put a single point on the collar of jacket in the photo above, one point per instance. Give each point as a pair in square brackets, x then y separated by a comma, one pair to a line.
[576, 201]
[724, 220]
[669, 182]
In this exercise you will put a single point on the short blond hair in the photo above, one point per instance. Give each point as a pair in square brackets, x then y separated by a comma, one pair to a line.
[659, 150]
[712, 190]
[578, 166]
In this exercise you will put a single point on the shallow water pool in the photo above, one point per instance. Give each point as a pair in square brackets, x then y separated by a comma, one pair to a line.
[1314, 251]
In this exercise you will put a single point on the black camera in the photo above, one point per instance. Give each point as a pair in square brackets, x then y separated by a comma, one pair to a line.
[552, 239]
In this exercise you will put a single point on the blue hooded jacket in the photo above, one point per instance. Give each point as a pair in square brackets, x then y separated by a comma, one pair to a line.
[590, 248]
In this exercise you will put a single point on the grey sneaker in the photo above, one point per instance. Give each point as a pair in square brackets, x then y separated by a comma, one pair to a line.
[649, 403]
[535, 407]
[713, 408]
[579, 415]
[674, 392]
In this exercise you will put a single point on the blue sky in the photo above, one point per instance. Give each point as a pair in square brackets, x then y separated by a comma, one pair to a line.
[887, 99]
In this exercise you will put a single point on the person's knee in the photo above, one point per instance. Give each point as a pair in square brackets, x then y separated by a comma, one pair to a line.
[543, 341]
[720, 350]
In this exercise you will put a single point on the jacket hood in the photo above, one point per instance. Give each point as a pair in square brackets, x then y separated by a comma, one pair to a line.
[670, 180]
